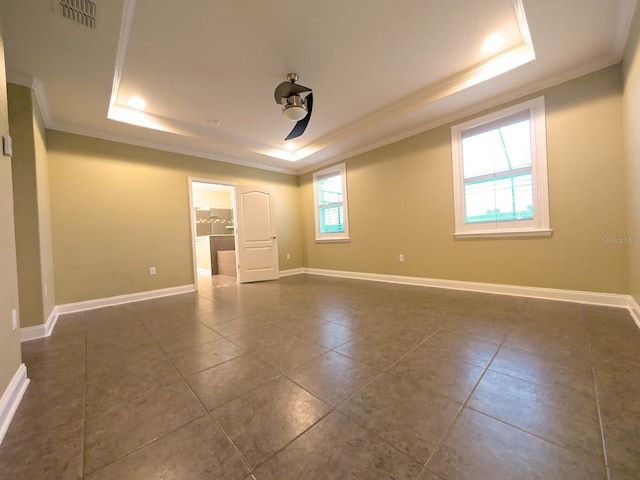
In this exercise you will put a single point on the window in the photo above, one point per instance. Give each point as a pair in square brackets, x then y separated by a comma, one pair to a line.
[500, 173]
[330, 200]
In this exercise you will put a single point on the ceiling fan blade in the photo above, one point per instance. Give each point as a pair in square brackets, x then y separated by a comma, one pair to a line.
[302, 124]
[286, 89]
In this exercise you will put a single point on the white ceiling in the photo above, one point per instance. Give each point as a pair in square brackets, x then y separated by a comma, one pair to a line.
[380, 71]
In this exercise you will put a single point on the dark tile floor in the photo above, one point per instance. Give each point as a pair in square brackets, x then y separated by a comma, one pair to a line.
[323, 378]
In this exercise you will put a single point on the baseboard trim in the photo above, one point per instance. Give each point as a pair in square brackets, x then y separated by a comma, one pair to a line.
[292, 271]
[42, 331]
[576, 296]
[634, 309]
[11, 399]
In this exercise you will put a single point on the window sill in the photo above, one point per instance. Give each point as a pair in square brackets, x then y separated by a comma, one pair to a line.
[333, 240]
[544, 232]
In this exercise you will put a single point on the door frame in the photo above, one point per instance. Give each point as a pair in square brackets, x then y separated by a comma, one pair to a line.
[192, 221]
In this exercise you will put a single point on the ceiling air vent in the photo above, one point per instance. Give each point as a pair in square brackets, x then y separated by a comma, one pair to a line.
[82, 12]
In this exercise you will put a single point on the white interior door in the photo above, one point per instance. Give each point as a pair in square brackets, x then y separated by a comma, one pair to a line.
[256, 234]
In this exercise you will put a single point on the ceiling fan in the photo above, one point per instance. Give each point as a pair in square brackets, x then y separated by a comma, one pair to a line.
[297, 103]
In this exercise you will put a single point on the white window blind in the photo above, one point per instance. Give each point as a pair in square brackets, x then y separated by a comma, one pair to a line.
[500, 179]
[330, 198]
[330, 204]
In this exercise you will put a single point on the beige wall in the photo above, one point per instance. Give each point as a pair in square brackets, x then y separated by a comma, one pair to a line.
[47, 284]
[118, 209]
[401, 201]
[204, 197]
[31, 207]
[631, 109]
[10, 357]
[25, 205]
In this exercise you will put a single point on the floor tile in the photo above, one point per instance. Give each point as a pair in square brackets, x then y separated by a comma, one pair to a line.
[262, 336]
[332, 377]
[552, 368]
[561, 416]
[127, 426]
[480, 447]
[269, 417]
[175, 338]
[444, 376]
[322, 332]
[466, 324]
[289, 353]
[44, 454]
[236, 325]
[200, 357]
[378, 350]
[225, 382]
[407, 415]
[115, 380]
[269, 360]
[197, 451]
[621, 426]
[620, 475]
[46, 405]
[445, 344]
[561, 340]
[338, 449]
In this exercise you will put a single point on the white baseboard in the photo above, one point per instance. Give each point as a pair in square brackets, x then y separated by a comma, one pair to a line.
[292, 271]
[634, 309]
[11, 398]
[42, 331]
[576, 296]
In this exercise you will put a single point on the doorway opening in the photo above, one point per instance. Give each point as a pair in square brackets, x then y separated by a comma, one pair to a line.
[214, 233]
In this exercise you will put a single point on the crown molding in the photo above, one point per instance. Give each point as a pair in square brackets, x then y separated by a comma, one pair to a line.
[166, 148]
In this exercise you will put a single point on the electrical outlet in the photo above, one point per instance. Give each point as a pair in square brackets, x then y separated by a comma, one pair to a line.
[288, 256]
[152, 270]
[401, 257]
[14, 318]
[46, 290]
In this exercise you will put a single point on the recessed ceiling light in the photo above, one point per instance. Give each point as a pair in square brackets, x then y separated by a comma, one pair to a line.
[138, 103]
[493, 43]
[213, 122]
[290, 146]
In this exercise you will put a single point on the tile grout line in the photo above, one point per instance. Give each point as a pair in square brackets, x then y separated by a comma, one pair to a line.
[444, 436]
[595, 387]
[332, 408]
[335, 408]
[207, 412]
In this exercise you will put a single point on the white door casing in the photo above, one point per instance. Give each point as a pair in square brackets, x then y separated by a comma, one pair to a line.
[257, 242]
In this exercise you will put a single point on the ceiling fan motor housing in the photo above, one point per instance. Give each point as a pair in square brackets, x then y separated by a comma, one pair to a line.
[295, 108]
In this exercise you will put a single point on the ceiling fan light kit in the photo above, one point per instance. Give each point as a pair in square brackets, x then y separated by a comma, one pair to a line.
[295, 108]
[297, 103]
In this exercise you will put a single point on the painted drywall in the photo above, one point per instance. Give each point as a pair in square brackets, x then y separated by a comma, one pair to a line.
[118, 209]
[401, 202]
[10, 356]
[206, 197]
[47, 283]
[631, 64]
[25, 205]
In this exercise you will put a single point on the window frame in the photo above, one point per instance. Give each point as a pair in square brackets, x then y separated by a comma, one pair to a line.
[539, 225]
[340, 169]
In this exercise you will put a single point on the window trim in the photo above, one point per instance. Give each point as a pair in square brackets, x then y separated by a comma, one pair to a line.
[539, 225]
[337, 236]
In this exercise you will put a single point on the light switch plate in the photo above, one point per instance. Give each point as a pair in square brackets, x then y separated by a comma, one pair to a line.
[7, 145]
